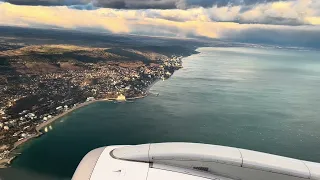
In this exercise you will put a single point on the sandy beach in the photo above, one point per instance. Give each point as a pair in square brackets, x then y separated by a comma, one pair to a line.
[45, 124]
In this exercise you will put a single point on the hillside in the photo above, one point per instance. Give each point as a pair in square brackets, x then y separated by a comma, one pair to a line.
[37, 59]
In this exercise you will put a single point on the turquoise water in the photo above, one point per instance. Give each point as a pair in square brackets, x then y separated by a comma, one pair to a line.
[260, 99]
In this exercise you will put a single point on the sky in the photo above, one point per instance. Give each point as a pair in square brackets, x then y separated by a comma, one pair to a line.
[289, 22]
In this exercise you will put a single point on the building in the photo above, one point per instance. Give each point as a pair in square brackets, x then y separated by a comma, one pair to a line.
[90, 99]
[121, 97]
[59, 108]
[30, 115]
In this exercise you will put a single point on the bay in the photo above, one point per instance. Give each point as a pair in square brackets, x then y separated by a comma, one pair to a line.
[255, 98]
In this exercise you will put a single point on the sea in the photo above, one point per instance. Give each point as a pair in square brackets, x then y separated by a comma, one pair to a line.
[257, 98]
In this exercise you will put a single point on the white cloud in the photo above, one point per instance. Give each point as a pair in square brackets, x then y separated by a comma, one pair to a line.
[215, 22]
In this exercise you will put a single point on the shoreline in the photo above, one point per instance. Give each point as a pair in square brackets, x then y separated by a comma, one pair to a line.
[4, 163]
[44, 124]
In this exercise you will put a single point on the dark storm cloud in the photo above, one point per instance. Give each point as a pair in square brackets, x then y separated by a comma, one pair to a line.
[220, 3]
[47, 2]
[88, 6]
[142, 4]
[137, 4]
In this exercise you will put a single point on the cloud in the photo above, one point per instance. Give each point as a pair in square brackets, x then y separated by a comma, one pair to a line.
[294, 13]
[288, 22]
[88, 6]
[47, 2]
[142, 4]
[61, 16]
[137, 4]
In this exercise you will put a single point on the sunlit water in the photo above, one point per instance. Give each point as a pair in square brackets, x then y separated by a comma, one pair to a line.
[260, 99]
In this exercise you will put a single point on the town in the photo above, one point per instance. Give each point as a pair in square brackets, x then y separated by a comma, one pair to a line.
[31, 99]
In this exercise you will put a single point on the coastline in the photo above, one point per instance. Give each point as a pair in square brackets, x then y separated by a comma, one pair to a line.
[4, 163]
[44, 124]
